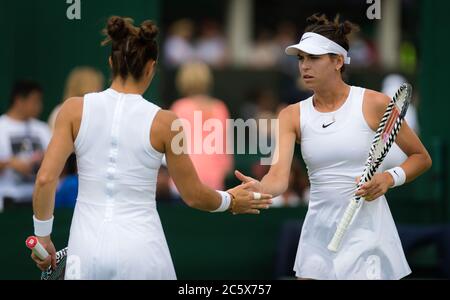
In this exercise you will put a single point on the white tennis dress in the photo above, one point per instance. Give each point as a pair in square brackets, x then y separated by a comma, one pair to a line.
[335, 147]
[116, 231]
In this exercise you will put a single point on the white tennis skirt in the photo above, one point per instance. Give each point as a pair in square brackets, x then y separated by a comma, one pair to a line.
[124, 246]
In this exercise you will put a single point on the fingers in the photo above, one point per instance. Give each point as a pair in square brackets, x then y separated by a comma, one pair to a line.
[266, 196]
[253, 212]
[34, 257]
[242, 177]
[53, 261]
[261, 206]
[377, 195]
[43, 264]
[263, 202]
[371, 193]
[248, 185]
[365, 189]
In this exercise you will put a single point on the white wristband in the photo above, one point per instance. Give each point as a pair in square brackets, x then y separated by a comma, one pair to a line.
[42, 228]
[226, 201]
[399, 176]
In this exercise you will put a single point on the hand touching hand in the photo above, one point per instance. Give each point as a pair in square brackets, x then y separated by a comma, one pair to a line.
[256, 187]
[248, 202]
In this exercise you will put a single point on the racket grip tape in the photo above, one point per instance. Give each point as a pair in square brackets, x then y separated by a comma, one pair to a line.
[33, 243]
[343, 225]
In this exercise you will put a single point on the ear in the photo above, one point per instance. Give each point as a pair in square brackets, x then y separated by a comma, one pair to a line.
[110, 62]
[150, 67]
[339, 62]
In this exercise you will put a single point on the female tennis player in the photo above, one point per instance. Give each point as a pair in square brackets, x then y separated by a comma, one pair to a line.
[119, 139]
[335, 128]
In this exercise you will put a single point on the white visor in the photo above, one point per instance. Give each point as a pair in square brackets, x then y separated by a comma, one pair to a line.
[316, 44]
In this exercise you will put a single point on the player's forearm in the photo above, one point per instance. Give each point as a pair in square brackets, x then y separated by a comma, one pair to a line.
[273, 184]
[44, 197]
[415, 165]
[203, 198]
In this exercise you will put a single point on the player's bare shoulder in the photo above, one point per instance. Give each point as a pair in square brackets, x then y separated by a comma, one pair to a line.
[73, 105]
[164, 119]
[290, 112]
[165, 124]
[71, 110]
[376, 101]
[289, 116]
[374, 106]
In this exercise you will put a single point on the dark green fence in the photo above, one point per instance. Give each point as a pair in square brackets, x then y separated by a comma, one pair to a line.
[203, 245]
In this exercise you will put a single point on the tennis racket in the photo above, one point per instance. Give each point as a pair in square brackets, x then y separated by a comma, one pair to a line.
[384, 138]
[61, 256]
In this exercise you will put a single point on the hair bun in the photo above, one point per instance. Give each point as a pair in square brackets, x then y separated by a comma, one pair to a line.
[346, 28]
[117, 28]
[148, 31]
[317, 19]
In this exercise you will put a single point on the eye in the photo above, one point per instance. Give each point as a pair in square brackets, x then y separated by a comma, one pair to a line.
[300, 57]
[314, 57]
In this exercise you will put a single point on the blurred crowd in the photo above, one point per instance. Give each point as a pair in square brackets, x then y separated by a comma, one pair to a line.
[206, 41]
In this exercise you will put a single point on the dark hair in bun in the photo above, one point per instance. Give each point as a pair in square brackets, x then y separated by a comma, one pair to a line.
[335, 30]
[131, 47]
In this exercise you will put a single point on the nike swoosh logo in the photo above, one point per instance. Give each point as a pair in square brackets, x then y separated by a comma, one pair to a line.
[328, 125]
[396, 173]
[305, 38]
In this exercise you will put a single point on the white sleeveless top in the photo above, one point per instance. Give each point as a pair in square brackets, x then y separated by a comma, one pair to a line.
[116, 232]
[335, 147]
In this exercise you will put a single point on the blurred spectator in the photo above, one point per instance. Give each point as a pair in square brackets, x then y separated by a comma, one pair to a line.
[396, 156]
[362, 52]
[266, 109]
[265, 52]
[23, 141]
[286, 36]
[211, 46]
[67, 190]
[295, 91]
[194, 81]
[81, 81]
[391, 84]
[178, 47]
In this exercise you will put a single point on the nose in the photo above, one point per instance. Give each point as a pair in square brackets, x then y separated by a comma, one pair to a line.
[303, 66]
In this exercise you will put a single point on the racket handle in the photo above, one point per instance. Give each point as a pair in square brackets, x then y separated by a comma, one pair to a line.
[33, 243]
[343, 225]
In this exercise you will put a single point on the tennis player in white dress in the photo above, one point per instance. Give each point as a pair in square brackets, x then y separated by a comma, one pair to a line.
[119, 139]
[335, 128]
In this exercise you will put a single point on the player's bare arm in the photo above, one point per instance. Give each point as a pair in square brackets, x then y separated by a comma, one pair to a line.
[192, 190]
[418, 162]
[275, 182]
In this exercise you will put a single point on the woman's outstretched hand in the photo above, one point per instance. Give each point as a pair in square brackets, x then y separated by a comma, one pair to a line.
[247, 201]
[256, 187]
